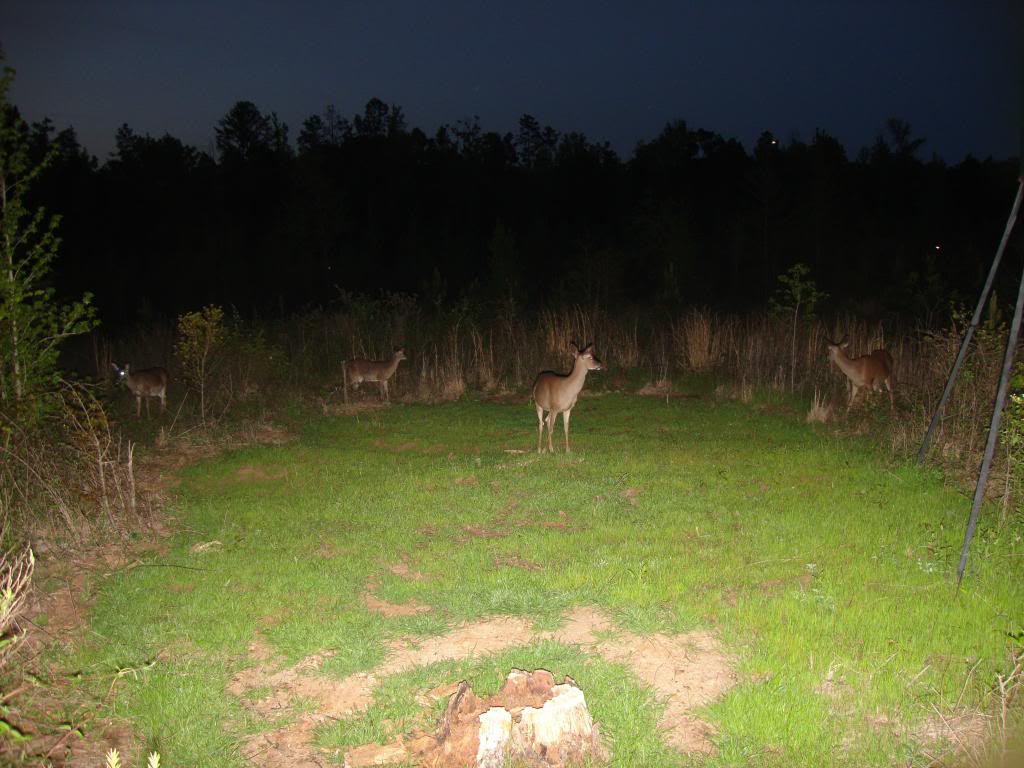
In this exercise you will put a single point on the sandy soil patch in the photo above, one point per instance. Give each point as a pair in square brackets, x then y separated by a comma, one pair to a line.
[390, 610]
[686, 671]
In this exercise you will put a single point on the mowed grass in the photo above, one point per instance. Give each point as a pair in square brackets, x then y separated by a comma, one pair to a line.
[827, 572]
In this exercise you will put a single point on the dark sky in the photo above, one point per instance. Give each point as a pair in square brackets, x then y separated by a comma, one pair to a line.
[617, 71]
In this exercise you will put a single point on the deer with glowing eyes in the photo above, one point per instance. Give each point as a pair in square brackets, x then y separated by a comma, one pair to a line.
[147, 383]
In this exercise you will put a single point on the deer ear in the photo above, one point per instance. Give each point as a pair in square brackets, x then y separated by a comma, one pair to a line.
[575, 349]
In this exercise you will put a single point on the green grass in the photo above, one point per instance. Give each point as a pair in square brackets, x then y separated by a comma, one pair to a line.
[807, 554]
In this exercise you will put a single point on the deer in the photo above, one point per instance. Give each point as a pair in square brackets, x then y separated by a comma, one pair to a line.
[556, 393]
[871, 371]
[358, 371]
[147, 383]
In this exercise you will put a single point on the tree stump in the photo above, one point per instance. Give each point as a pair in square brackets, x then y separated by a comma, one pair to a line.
[531, 722]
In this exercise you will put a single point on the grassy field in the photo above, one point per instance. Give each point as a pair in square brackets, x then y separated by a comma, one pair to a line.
[824, 572]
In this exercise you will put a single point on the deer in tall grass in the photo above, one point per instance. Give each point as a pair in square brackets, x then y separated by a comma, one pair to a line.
[871, 371]
[556, 393]
[358, 371]
[147, 383]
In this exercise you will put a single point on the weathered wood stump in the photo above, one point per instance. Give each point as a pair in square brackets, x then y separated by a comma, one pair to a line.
[531, 721]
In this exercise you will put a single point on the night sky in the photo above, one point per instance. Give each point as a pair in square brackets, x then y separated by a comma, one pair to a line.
[614, 71]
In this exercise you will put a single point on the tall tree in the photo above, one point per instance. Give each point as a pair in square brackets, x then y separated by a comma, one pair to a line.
[32, 322]
[244, 131]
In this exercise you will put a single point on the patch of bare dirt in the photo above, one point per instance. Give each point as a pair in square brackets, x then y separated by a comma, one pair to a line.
[630, 495]
[402, 570]
[514, 561]
[250, 473]
[406, 445]
[962, 735]
[686, 671]
[562, 521]
[390, 610]
[92, 752]
[483, 532]
[773, 587]
[656, 389]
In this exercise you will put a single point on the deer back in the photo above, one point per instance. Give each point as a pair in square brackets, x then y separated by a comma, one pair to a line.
[866, 370]
[360, 370]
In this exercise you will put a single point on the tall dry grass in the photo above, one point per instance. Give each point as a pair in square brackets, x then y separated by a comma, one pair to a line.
[69, 477]
[451, 351]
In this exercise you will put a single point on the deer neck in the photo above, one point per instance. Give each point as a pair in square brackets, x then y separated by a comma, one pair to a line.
[392, 366]
[845, 363]
[578, 374]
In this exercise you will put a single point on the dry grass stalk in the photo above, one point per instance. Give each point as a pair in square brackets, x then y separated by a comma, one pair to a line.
[15, 583]
[695, 339]
[820, 410]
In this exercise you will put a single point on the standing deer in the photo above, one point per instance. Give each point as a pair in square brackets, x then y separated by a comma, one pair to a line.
[871, 371]
[358, 371]
[556, 393]
[147, 383]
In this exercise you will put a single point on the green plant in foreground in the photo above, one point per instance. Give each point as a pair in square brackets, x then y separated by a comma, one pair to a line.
[32, 322]
[199, 336]
[796, 297]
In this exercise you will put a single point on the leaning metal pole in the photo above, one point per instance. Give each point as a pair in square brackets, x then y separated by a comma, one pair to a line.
[993, 429]
[971, 328]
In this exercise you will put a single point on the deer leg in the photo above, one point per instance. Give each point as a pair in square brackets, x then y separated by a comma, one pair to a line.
[892, 400]
[148, 414]
[163, 402]
[384, 389]
[138, 407]
[540, 428]
[552, 415]
[565, 426]
[854, 389]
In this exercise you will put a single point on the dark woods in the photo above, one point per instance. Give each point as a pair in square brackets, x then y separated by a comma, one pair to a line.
[371, 204]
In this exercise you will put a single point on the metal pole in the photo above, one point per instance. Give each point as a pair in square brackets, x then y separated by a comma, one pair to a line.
[974, 324]
[993, 429]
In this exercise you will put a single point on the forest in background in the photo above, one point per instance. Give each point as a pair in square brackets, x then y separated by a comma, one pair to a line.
[470, 217]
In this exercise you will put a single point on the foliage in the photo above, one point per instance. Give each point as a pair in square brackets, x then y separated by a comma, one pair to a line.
[70, 475]
[33, 322]
[796, 297]
[200, 335]
[797, 294]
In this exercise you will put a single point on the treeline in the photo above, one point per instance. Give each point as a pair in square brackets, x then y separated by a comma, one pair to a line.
[368, 204]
